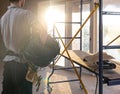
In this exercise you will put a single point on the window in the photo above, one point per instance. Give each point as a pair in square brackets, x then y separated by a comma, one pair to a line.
[111, 27]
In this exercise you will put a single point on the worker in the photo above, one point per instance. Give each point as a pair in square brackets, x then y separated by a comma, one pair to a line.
[16, 26]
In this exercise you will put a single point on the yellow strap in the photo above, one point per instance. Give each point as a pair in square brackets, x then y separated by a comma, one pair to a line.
[65, 47]
[72, 64]
[92, 12]
[113, 40]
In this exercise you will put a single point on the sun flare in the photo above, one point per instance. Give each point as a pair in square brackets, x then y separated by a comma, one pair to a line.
[52, 16]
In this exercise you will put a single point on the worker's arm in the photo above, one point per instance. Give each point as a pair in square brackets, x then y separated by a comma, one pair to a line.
[39, 27]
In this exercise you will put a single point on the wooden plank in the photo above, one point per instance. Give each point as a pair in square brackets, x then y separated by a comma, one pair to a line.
[77, 56]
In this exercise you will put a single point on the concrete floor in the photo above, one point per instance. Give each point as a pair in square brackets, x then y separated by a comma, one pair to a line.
[88, 79]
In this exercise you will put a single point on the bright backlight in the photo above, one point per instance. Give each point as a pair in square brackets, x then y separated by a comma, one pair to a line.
[53, 15]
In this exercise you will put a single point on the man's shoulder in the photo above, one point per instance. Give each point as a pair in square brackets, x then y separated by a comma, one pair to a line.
[25, 11]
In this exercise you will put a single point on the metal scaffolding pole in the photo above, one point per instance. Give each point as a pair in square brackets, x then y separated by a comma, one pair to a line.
[100, 48]
[81, 11]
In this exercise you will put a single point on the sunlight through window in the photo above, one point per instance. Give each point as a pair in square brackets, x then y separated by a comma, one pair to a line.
[53, 15]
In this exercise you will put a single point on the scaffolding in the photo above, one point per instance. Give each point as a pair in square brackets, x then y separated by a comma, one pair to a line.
[101, 46]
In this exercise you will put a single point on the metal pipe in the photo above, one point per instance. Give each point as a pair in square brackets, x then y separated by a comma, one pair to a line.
[100, 49]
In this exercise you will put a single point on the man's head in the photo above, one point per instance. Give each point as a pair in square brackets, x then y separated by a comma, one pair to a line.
[19, 2]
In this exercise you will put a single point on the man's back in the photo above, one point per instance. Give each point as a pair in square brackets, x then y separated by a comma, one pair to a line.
[15, 28]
